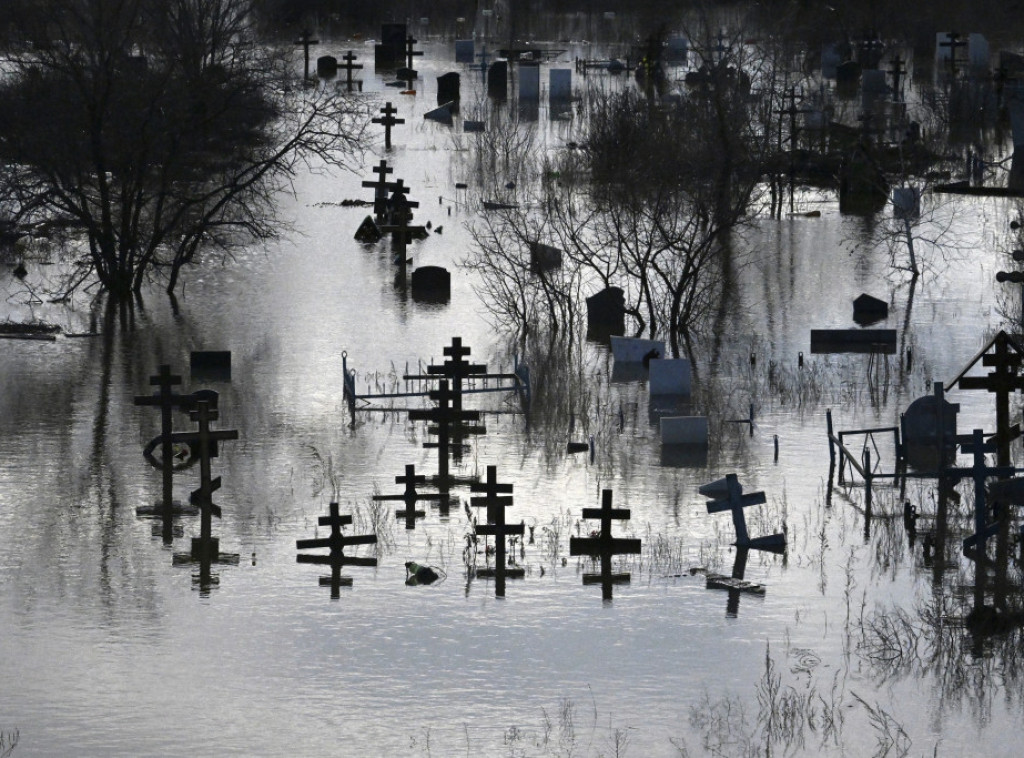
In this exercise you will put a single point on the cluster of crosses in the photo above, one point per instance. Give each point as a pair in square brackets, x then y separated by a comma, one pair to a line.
[451, 424]
[179, 450]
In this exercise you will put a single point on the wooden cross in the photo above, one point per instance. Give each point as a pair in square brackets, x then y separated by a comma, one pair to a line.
[735, 501]
[349, 65]
[203, 414]
[493, 499]
[400, 213]
[1006, 363]
[336, 542]
[499, 529]
[409, 52]
[444, 416]
[305, 40]
[167, 401]
[975, 443]
[380, 190]
[411, 496]
[388, 120]
[953, 41]
[897, 72]
[483, 55]
[456, 368]
[604, 545]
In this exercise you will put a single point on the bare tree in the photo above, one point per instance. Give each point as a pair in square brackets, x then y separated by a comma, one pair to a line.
[157, 130]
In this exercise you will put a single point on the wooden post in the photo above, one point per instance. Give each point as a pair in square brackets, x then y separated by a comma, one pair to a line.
[604, 545]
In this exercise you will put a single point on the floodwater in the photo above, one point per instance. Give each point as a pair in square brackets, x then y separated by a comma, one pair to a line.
[855, 648]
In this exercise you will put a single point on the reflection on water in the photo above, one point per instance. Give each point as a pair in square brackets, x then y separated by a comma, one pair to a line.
[106, 649]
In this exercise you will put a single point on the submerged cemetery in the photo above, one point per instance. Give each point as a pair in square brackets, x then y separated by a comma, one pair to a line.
[636, 386]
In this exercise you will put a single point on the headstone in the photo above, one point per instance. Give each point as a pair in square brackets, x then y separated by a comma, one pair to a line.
[326, 66]
[873, 82]
[472, 126]
[978, 52]
[497, 80]
[560, 85]
[670, 376]
[606, 312]
[210, 365]
[448, 88]
[830, 60]
[464, 52]
[928, 427]
[406, 74]
[882, 341]
[544, 257]
[441, 114]
[368, 231]
[529, 82]
[1015, 107]
[676, 49]
[847, 72]
[684, 430]
[906, 202]
[868, 309]
[431, 284]
[390, 53]
[636, 350]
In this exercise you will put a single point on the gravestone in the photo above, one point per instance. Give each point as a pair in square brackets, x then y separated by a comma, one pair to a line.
[210, 366]
[669, 376]
[390, 53]
[432, 284]
[604, 546]
[442, 114]
[472, 126]
[881, 341]
[606, 312]
[497, 80]
[869, 310]
[873, 83]
[906, 202]
[407, 75]
[676, 50]
[464, 52]
[326, 66]
[560, 85]
[448, 88]
[529, 82]
[928, 430]
[636, 350]
[544, 257]
[368, 231]
[978, 53]
[684, 430]
[830, 60]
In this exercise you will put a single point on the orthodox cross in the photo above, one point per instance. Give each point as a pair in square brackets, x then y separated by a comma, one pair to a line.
[349, 65]
[499, 529]
[953, 41]
[411, 496]
[409, 52]
[604, 545]
[337, 543]
[735, 501]
[388, 120]
[444, 416]
[167, 401]
[380, 190]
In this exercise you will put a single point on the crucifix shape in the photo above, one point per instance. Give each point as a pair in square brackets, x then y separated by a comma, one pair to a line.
[349, 65]
[735, 501]
[411, 496]
[380, 186]
[203, 414]
[167, 401]
[604, 545]
[409, 52]
[305, 40]
[444, 416]
[484, 56]
[897, 72]
[499, 529]
[456, 369]
[953, 41]
[976, 445]
[337, 543]
[400, 214]
[1006, 362]
[388, 120]
[496, 496]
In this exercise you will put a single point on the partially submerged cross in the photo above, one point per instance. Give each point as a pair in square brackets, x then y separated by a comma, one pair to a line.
[734, 502]
[337, 543]
[305, 40]
[388, 120]
[604, 545]
[409, 52]
[206, 547]
[444, 417]
[349, 65]
[410, 497]
[953, 41]
[167, 401]
[380, 190]
[497, 527]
